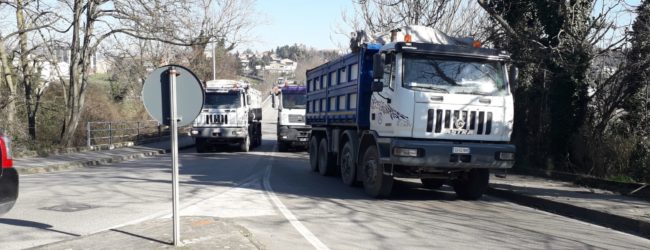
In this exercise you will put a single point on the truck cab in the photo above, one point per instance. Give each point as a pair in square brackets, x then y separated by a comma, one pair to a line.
[231, 114]
[291, 129]
[457, 98]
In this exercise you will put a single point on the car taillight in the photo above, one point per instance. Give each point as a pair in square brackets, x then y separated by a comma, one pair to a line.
[7, 157]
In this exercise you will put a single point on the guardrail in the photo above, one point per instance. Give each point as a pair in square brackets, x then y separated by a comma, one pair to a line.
[138, 132]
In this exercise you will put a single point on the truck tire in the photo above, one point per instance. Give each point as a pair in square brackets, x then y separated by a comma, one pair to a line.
[313, 153]
[245, 145]
[325, 163]
[432, 183]
[348, 165]
[282, 146]
[200, 145]
[472, 185]
[259, 138]
[375, 182]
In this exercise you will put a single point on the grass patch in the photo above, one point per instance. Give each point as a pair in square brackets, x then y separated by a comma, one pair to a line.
[99, 79]
[622, 178]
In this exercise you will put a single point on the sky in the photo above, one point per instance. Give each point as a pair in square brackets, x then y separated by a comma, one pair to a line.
[309, 22]
[315, 23]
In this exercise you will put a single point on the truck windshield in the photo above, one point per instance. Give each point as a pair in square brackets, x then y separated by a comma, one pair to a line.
[222, 100]
[294, 101]
[455, 76]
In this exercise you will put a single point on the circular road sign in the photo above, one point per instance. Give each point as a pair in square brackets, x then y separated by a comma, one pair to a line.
[157, 99]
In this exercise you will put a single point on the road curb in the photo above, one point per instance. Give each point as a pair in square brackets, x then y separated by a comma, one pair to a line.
[637, 190]
[89, 163]
[616, 222]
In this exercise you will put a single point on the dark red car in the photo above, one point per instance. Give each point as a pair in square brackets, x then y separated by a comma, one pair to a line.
[8, 176]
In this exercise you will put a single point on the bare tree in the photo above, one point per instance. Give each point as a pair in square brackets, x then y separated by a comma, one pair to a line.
[454, 17]
[22, 65]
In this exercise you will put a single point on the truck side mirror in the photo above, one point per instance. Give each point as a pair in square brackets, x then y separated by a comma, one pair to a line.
[273, 100]
[378, 61]
[513, 77]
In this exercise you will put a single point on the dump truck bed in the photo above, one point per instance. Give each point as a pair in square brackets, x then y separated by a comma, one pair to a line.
[338, 92]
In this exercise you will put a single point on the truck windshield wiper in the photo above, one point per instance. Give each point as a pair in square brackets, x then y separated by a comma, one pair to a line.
[473, 93]
[431, 87]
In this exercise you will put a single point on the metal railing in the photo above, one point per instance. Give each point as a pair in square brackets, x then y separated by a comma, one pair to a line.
[138, 132]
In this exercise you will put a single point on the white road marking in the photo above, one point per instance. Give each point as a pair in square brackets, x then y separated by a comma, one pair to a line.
[309, 236]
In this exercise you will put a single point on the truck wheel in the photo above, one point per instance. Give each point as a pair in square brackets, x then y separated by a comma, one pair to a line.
[313, 153]
[245, 146]
[259, 139]
[432, 183]
[375, 182]
[472, 185]
[325, 162]
[282, 146]
[348, 165]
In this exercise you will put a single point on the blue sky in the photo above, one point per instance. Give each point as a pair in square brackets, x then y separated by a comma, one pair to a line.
[309, 22]
[314, 22]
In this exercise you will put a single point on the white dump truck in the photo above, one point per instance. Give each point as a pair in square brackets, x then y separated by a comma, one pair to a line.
[415, 103]
[231, 114]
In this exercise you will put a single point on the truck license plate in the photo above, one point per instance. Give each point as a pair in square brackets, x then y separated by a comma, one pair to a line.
[303, 139]
[460, 150]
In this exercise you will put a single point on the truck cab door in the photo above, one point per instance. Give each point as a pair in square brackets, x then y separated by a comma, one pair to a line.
[380, 104]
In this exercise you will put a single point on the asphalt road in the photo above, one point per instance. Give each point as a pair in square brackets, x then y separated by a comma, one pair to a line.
[285, 206]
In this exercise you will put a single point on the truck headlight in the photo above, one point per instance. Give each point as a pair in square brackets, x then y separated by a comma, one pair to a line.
[407, 152]
[195, 132]
[506, 156]
[238, 132]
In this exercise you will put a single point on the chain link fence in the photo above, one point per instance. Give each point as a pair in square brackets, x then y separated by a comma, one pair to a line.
[138, 132]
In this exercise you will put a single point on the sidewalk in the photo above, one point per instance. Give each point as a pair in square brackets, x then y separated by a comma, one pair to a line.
[33, 165]
[604, 208]
[196, 233]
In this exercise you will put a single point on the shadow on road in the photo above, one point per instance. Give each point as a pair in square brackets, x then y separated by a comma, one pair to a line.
[33, 224]
[141, 237]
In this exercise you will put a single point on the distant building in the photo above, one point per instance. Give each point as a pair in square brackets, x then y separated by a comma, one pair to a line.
[278, 65]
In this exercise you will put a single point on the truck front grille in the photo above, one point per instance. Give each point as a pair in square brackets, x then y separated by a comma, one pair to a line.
[459, 122]
[296, 118]
[216, 119]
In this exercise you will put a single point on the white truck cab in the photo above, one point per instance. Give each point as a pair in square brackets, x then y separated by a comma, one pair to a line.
[450, 99]
[231, 114]
[291, 104]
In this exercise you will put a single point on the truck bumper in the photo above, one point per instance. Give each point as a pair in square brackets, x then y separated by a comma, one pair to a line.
[220, 135]
[449, 155]
[295, 135]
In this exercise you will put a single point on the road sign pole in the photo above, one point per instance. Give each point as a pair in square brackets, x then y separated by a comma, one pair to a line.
[173, 106]
[174, 139]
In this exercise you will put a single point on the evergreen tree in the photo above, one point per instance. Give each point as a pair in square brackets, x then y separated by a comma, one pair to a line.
[638, 81]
